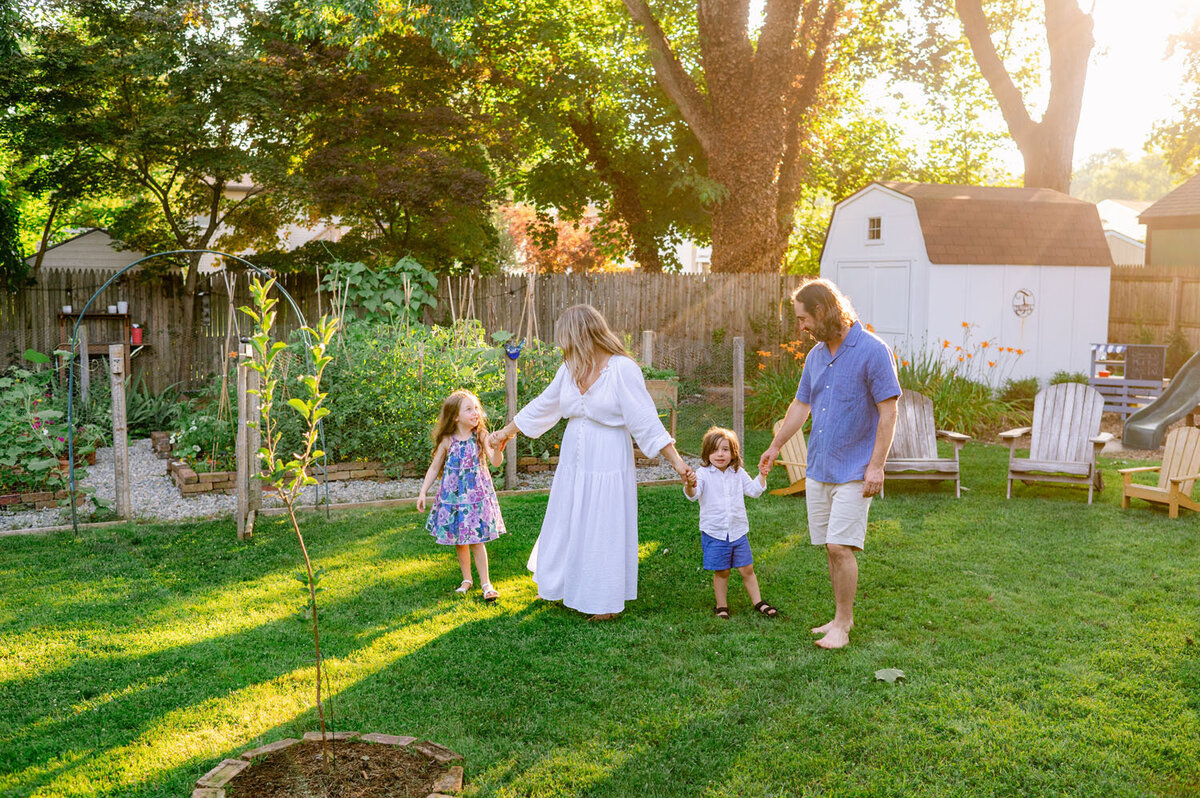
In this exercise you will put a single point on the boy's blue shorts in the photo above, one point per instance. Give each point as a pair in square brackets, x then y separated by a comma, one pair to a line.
[720, 555]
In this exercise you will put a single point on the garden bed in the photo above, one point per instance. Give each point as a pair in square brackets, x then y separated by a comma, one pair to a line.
[366, 766]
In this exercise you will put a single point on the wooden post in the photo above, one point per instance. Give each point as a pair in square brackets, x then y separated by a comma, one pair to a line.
[739, 389]
[117, 362]
[648, 348]
[510, 393]
[253, 443]
[242, 448]
[85, 371]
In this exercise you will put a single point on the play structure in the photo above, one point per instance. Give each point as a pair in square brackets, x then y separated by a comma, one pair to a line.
[1146, 428]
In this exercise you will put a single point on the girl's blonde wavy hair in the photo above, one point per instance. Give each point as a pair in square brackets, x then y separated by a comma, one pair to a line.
[584, 337]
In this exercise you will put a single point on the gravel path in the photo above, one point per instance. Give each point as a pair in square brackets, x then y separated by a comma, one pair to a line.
[154, 496]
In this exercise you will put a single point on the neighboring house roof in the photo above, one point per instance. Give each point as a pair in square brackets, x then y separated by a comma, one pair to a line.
[1122, 216]
[1006, 226]
[90, 248]
[1183, 201]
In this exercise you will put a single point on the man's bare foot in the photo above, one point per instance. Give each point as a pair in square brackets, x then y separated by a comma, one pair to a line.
[836, 638]
[820, 630]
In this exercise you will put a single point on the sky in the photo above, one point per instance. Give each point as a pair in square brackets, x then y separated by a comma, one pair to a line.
[1129, 84]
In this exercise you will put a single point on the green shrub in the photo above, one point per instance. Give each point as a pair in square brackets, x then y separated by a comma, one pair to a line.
[772, 383]
[536, 367]
[1062, 376]
[1019, 393]
[1178, 352]
[960, 403]
[387, 383]
[146, 411]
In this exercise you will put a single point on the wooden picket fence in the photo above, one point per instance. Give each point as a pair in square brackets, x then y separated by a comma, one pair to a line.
[33, 318]
[695, 317]
[1149, 302]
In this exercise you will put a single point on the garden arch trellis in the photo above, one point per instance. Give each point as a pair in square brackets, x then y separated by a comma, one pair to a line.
[74, 344]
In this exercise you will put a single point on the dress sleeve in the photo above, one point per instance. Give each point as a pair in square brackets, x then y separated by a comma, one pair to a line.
[637, 408]
[543, 412]
[750, 486]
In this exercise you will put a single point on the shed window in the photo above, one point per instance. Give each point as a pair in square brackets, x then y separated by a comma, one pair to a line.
[874, 229]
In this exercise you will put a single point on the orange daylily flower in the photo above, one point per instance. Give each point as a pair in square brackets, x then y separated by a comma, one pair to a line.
[945, 344]
[762, 365]
[761, 353]
[991, 364]
[984, 344]
[1020, 351]
[970, 355]
[904, 362]
[870, 328]
[960, 358]
[965, 324]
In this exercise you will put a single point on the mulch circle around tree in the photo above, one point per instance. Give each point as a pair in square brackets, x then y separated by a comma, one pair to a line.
[347, 768]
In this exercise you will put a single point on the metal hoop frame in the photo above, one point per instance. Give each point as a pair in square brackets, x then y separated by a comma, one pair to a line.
[74, 342]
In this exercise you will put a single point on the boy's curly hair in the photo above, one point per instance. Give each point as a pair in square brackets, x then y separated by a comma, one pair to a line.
[713, 437]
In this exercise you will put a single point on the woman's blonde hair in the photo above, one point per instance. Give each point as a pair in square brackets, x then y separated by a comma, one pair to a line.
[448, 419]
[584, 336]
[713, 438]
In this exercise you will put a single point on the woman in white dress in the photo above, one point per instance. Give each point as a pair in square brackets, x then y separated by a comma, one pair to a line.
[587, 553]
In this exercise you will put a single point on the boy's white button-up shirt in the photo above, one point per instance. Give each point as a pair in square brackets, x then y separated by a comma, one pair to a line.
[722, 508]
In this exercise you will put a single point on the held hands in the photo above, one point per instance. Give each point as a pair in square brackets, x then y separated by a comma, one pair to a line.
[767, 461]
[498, 439]
[421, 502]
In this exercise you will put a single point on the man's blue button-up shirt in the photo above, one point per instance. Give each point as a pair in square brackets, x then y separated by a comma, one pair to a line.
[843, 390]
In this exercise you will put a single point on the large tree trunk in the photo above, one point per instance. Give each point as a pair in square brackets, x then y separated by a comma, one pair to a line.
[1048, 147]
[751, 116]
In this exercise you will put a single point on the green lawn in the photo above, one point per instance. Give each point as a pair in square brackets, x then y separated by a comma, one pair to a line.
[1048, 648]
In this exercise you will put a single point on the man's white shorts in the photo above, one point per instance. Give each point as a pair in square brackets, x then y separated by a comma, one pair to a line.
[837, 513]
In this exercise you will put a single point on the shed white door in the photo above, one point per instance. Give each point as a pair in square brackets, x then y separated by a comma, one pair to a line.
[879, 291]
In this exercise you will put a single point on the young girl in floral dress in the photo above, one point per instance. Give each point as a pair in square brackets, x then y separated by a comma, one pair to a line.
[465, 513]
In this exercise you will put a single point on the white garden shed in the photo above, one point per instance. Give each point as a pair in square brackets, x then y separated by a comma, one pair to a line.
[1025, 268]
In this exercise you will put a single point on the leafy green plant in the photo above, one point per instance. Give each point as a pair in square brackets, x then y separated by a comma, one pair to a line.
[1178, 351]
[1019, 393]
[147, 411]
[399, 292]
[536, 367]
[651, 373]
[1062, 375]
[387, 384]
[772, 383]
[289, 474]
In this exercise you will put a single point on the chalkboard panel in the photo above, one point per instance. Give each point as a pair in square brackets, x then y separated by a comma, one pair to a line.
[1145, 362]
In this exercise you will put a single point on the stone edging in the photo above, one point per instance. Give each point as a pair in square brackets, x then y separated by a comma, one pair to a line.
[34, 500]
[212, 784]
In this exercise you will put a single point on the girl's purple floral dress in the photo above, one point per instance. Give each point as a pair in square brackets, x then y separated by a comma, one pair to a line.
[466, 509]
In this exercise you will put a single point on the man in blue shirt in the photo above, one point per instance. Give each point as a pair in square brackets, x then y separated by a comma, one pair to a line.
[849, 386]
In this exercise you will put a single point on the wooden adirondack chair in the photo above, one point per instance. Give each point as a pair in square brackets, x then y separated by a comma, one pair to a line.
[793, 456]
[1064, 438]
[1178, 473]
[914, 453]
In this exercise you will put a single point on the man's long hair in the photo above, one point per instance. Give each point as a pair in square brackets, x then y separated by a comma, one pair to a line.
[827, 305]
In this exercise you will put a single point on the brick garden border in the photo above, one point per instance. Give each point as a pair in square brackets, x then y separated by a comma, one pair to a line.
[212, 784]
[190, 482]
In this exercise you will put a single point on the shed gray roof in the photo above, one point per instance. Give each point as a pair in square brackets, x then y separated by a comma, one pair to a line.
[1183, 201]
[1006, 226]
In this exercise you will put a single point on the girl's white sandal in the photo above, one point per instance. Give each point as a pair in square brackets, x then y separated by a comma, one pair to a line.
[489, 593]
[464, 587]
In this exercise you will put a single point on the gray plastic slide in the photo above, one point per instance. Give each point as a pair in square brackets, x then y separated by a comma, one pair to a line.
[1146, 428]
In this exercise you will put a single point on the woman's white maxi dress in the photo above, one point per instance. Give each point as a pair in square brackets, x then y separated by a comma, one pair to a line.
[587, 553]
